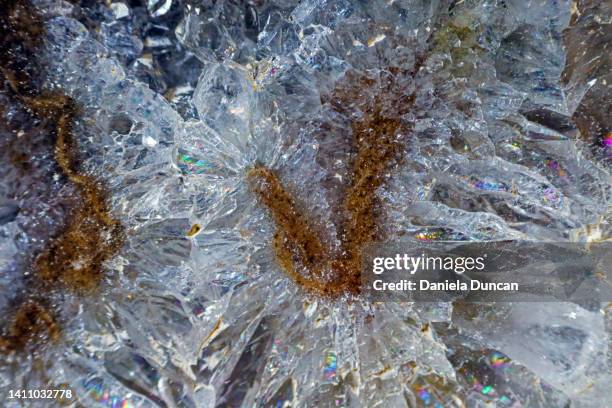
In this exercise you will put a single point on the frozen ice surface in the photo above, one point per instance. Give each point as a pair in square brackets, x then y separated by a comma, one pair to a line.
[181, 98]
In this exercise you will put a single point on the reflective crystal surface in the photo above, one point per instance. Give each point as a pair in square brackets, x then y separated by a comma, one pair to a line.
[508, 138]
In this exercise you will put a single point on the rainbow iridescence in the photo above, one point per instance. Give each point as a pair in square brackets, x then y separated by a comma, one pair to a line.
[95, 390]
[329, 371]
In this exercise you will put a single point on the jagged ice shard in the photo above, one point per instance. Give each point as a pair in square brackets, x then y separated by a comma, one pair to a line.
[252, 149]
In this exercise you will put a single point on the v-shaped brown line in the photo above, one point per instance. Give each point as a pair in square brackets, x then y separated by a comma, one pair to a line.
[378, 144]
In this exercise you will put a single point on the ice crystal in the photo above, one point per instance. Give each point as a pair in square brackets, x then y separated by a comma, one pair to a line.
[483, 102]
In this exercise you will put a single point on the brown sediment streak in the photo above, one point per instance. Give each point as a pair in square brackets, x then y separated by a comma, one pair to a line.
[377, 144]
[76, 256]
[73, 259]
[377, 139]
[298, 248]
[33, 322]
[92, 235]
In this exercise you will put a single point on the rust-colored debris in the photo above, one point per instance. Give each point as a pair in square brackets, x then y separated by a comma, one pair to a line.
[298, 248]
[194, 230]
[73, 259]
[377, 142]
[32, 323]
